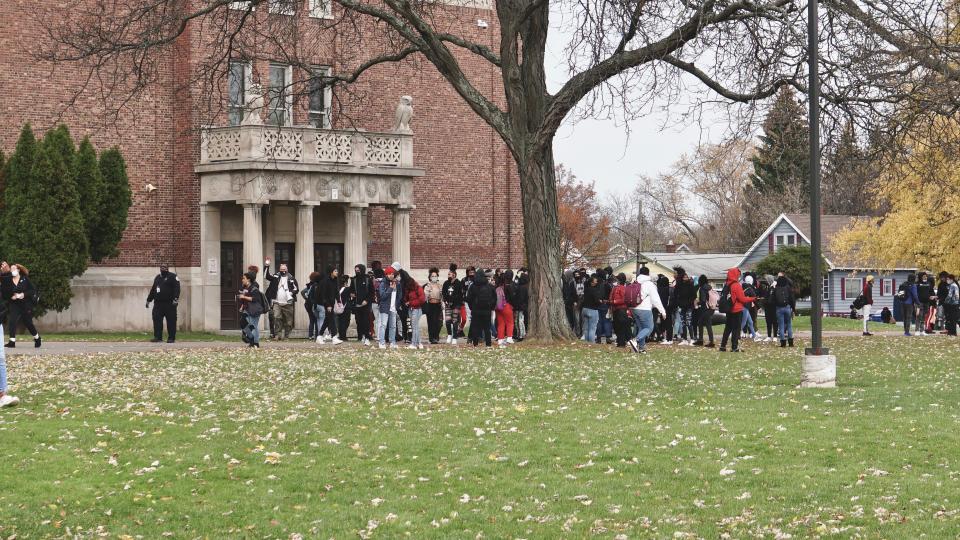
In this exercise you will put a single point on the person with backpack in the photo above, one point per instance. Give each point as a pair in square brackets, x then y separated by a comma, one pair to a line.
[24, 298]
[731, 303]
[306, 293]
[505, 308]
[907, 295]
[605, 327]
[482, 300]
[6, 291]
[252, 305]
[926, 296]
[951, 305]
[664, 318]
[644, 297]
[786, 304]
[707, 298]
[345, 307]
[590, 312]
[618, 303]
[414, 300]
[866, 300]
[765, 300]
[521, 309]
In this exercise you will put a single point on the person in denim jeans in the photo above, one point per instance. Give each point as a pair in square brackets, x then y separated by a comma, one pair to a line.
[391, 296]
[6, 291]
[643, 312]
[414, 299]
[786, 305]
[592, 300]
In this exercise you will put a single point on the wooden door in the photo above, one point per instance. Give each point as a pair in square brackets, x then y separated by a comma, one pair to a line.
[231, 268]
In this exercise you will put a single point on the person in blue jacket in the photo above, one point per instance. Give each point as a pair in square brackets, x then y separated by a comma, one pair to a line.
[910, 301]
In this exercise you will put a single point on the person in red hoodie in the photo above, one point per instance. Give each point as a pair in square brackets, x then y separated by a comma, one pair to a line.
[618, 303]
[735, 316]
[414, 298]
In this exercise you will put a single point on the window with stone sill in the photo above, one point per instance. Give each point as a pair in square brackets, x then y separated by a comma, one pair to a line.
[242, 6]
[237, 83]
[320, 96]
[279, 98]
[320, 9]
[283, 7]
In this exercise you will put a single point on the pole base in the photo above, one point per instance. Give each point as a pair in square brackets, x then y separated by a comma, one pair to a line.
[819, 371]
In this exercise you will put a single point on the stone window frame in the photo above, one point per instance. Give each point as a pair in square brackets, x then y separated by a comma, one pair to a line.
[247, 81]
[325, 114]
[320, 9]
[285, 94]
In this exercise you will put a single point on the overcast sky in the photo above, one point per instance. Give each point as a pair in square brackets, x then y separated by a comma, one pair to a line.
[600, 150]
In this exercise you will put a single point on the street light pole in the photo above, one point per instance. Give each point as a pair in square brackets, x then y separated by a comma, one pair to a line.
[636, 270]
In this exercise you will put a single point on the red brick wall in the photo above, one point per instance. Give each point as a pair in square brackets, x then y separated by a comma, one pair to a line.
[468, 204]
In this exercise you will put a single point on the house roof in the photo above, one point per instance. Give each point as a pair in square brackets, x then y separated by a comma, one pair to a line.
[713, 265]
[830, 225]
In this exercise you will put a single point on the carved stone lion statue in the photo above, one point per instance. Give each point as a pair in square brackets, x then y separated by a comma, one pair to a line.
[251, 116]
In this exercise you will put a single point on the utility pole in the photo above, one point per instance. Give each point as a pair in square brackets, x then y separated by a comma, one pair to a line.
[636, 271]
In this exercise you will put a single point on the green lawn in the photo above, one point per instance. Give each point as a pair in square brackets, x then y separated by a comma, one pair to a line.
[829, 323]
[134, 336]
[521, 443]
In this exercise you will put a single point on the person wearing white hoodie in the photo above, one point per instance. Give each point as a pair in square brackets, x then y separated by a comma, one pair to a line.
[643, 312]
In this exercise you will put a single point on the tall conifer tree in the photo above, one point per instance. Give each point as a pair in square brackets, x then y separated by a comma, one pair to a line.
[780, 165]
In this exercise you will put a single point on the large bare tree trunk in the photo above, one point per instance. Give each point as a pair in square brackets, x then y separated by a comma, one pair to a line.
[541, 235]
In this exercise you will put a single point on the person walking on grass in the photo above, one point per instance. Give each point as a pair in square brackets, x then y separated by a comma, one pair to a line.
[618, 303]
[165, 295]
[6, 292]
[345, 307]
[391, 296]
[731, 302]
[707, 300]
[21, 305]
[907, 294]
[647, 299]
[307, 295]
[252, 305]
[867, 304]
[481, 300]
[786, 304]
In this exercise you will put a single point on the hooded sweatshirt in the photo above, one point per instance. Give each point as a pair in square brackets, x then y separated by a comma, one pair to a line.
[482, 296]
[649, 295]
[362, 289]
[736, 291]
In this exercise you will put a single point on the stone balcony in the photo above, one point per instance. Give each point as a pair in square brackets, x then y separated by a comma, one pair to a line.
[305, 164]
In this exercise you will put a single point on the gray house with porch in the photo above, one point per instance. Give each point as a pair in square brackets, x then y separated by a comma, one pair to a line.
[841, 283]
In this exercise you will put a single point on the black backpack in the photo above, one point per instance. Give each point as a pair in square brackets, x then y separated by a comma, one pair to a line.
[781, 296]
[725, 304]
[902, 291]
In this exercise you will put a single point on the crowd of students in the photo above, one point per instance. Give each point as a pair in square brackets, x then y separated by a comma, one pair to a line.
[386, 305]
[925, 306]
[638, 310]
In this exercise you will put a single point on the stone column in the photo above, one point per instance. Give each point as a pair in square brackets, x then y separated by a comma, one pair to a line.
[205, 300]
[354, 246]
[304, 257]
[253, 237]
[401, 236]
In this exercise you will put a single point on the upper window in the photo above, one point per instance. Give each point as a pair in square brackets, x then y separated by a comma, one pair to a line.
[283, 7]
[237, 89]
[320, 97]
[279, 104]
[852, 288]
[886, 287]
[785, 240]
[242, 6]
[320, 9]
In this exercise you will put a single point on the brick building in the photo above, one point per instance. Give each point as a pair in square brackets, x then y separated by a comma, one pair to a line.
[301, 175]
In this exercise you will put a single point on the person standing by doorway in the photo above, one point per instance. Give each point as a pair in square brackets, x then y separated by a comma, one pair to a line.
[283, 287]
[253, 305]
[165, 295]
[361, 295]
[22, 302]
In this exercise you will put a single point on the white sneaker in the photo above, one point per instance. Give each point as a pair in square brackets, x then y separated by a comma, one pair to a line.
[500, 342]
[412, 346]
[757, 339]
[366, 341]
[320, 340]
[420, 346]
[453, 341]
[509, 340]
[394, 346]
[449, 340]
[9, 401]
[684, 343]
[336, 341]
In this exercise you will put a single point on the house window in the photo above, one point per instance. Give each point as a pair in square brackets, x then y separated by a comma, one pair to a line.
[826, 287]
[320, 97]
[279, 105]
[785, 240]
[242, 6]
[283, 7]
[237, 90]
[886, 287]
[320, 9]
[852, 288]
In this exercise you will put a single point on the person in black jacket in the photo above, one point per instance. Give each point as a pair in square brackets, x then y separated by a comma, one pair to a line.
[6, 291]
[361, 295]
[343, 319]
[325, 298]
[786, 303]
[482, 299]
[943, 289]
[452, 293]
[165, 295]
[684, 294]
[307, 294]
[665, 320]
[252, 304]
[282, 294]
[522, 308]
[590, 312]
[704, 318]
[22, 302]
